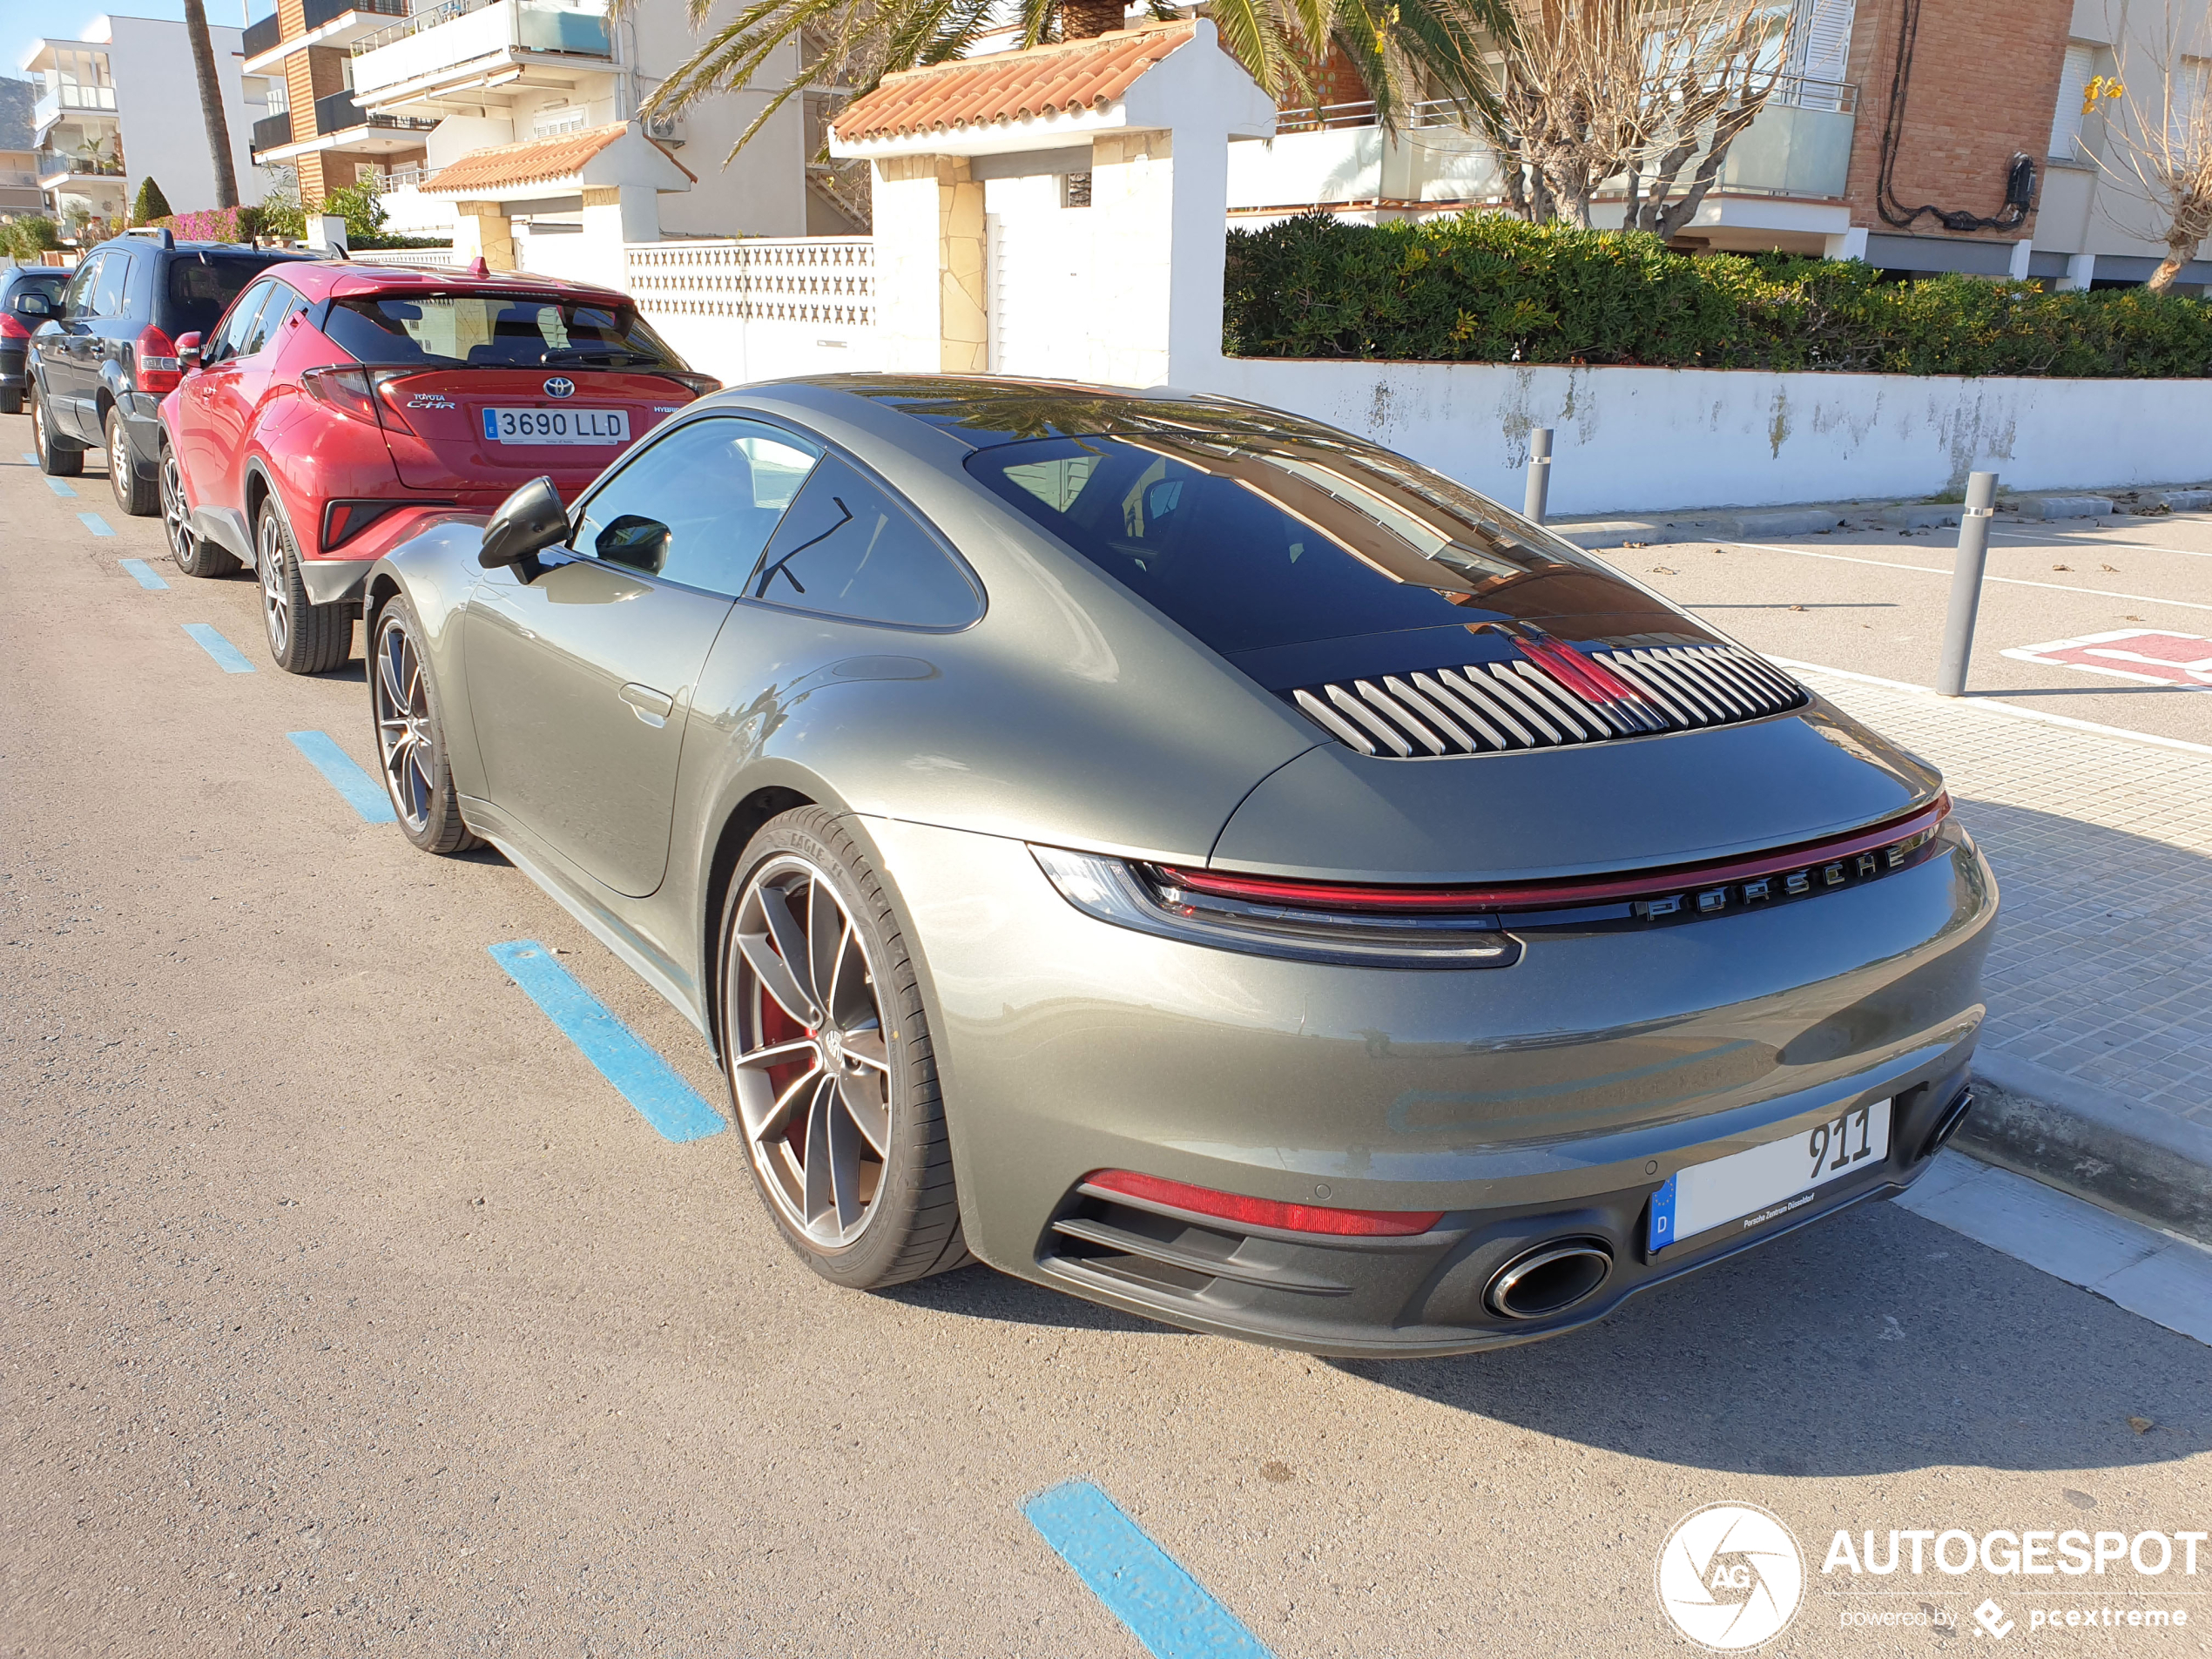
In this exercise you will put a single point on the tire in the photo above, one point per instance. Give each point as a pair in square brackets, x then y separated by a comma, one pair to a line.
[410, 732]
[304, 638]
[894, 1215]
[139, 497]
[192, 552]
[10, 402]
[53, 460]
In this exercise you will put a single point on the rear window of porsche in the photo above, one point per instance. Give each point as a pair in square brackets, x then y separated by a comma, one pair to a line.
[1250, 546]
[494, 331]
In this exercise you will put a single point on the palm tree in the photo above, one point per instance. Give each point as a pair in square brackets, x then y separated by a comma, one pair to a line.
[211, 103]
[1402, 49]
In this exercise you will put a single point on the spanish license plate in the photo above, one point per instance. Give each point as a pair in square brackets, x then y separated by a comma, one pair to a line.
[557, 426]
[1748, 1189]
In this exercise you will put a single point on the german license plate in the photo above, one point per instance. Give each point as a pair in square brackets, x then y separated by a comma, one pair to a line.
[557, 426]
[1748, 1189]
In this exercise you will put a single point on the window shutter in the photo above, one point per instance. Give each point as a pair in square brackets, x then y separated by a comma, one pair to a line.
[1820, 39]
[2074, 86]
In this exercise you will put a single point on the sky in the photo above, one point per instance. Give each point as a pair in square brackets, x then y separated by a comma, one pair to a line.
[25, 21]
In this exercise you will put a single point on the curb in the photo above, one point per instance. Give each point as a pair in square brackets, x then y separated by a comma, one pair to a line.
[2083, 1140]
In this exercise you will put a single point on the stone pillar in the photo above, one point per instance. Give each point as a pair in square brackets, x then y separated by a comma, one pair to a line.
[930, 311]
[2021, 249]
[481, 231]
[614, 216]
[2080, 273]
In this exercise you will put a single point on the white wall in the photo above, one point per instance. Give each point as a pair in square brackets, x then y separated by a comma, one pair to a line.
[763, 191]
[158, 101]
[1649, 440]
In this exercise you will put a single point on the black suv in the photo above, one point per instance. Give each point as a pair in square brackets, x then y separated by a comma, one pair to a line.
[99, 368]
[20, 312]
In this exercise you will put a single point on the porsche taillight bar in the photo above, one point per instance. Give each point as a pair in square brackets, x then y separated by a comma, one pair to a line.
[1914, 827]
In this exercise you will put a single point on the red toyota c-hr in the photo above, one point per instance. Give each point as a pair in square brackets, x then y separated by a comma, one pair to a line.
[336, 407]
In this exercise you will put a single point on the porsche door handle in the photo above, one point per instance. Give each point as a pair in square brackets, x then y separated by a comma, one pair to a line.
[649, 705]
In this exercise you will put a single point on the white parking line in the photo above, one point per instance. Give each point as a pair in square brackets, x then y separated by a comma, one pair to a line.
[2009, 581]
[2058, 538]
[1985, 703]
[2165, 1279]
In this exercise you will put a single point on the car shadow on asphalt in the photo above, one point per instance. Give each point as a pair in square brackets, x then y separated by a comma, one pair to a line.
[978, 1292]
[1876, 1343]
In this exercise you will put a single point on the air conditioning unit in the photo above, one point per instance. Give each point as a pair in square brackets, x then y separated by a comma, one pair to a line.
[665, 129]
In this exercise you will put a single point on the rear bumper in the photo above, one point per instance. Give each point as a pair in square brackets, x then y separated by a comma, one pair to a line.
[1530, 1103]
[338, 577]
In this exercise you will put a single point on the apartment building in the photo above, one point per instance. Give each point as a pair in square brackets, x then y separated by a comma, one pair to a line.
[380, 87]
[1923, 135]
[2094, 227]
[19, 192]
[122, 102]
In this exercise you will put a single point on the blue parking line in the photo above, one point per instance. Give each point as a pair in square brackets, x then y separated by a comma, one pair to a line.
[232, 659]
[363, 792]
[95, 523]
[645, 1080]
[1141, 1584]
[59, 488]
[29, 459]
[143, 574]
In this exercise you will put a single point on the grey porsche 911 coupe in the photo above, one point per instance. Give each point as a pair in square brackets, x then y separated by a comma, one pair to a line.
[1189, 856]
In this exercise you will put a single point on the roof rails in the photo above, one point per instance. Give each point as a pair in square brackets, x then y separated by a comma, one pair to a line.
[168, 239]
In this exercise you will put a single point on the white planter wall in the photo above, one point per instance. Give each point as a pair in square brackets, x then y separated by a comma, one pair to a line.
[1649, 440]
[761, 308]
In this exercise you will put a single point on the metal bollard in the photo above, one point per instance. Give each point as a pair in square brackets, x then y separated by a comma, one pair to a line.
[1539, 473]
[1966, 584]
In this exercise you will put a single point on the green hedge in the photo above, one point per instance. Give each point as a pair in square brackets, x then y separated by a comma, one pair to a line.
[1489, 288]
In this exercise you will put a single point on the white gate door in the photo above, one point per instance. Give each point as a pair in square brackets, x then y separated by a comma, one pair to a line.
[1039, 283]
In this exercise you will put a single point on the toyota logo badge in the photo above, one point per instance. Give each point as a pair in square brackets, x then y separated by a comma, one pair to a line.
[560, 386]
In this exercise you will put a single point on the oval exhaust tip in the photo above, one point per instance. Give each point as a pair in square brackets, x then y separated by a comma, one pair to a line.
[1550, 1278]
[1952, 1117]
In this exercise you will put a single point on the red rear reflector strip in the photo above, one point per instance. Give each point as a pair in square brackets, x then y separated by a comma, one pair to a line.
[1538, 895]
[1265, 1213]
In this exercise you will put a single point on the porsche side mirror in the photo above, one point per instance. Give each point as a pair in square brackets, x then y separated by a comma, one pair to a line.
[188, 352]
[529, 519]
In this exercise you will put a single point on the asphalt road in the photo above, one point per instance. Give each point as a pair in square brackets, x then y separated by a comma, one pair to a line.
[349, 1310]
[1873, 602]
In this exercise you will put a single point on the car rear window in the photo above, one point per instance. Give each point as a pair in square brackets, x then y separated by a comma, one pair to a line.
[494, 331]
[49, 283]
[202, 285]
[1250, 544]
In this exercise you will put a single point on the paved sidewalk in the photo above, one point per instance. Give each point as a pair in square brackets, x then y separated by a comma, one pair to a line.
[2100, 978]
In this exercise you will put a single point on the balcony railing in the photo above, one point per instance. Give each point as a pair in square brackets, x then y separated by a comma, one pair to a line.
[273, 130]
[536, 25]
[267, 34]
[53, 165]
[339, 113]
[412, 177]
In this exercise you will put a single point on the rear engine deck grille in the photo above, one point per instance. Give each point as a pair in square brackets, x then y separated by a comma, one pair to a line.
[1494, 708]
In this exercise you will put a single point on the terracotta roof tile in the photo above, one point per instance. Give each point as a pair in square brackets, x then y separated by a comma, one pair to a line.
[1009, 86]
[539, 161]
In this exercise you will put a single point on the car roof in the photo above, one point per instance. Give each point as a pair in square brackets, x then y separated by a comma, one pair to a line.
[347, 279]
[985, 412]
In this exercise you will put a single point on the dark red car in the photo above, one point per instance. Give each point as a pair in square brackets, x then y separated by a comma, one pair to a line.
[336, 407]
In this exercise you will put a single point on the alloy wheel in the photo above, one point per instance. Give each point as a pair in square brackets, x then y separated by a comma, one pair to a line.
[38, 423]
[403, 728]
[175, 517]
[810, 1067]
[276, 600]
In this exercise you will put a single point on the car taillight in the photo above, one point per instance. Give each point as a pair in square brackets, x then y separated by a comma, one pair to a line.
[1265, 1212]
[158, 370]
[1315, 931]
[11, 327]
[347, 390]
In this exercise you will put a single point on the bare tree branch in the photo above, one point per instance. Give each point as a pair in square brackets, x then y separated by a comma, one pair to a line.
[2156, 144]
